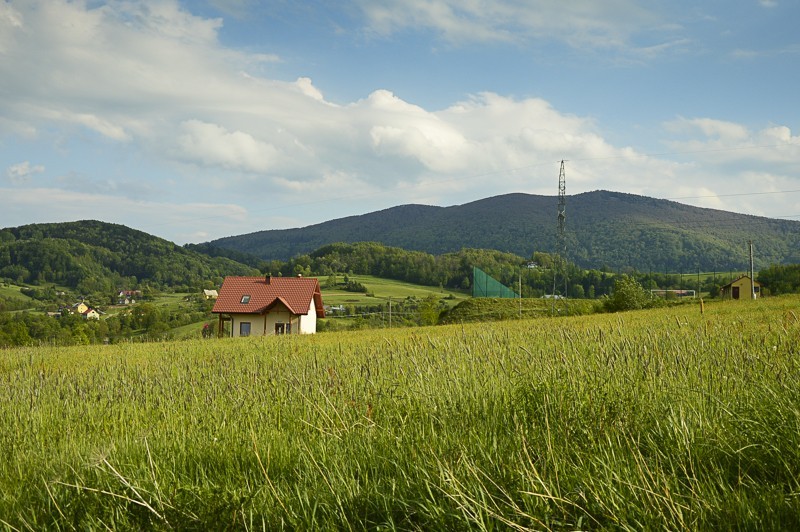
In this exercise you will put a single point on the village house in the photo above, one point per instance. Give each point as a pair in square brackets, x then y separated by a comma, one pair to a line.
[740, 288]
[210, 294]
[263, 306]
[91, 314]
[127, 297]
[84, 310]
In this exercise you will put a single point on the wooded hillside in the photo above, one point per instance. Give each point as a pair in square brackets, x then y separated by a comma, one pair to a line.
[92, 256]
[604, 228]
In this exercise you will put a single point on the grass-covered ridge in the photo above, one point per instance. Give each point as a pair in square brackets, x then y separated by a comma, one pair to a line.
[657, 419]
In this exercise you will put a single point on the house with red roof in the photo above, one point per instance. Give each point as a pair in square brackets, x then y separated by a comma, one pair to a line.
[262, 306]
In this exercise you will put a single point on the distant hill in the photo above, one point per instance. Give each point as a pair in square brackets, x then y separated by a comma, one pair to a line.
[92, 256]
[604, 228]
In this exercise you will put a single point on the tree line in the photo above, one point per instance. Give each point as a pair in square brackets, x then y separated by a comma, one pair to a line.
[540, 274]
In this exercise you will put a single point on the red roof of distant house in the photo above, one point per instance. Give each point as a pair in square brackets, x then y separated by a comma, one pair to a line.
[296, 293]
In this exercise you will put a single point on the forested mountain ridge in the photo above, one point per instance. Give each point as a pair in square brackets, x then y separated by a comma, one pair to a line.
[604, 228]
[92, 256]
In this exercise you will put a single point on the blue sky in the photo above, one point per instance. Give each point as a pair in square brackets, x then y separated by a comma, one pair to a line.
[197, 120]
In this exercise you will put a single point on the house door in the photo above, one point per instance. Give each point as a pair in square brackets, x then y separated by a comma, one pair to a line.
[280, 328]
[735, 292]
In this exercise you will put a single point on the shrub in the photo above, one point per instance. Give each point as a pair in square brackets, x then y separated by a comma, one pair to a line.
[629, 295]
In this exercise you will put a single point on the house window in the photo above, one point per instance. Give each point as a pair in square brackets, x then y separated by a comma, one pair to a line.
[244, 328]
[245, 299]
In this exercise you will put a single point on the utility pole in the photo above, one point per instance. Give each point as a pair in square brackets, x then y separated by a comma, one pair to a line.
[752, 274]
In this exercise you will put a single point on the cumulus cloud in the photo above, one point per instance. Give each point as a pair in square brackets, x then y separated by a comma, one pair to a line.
[726, 142]
[22, 172]
[152, 81]
[212, 144]
[154, 76]
[765, 162]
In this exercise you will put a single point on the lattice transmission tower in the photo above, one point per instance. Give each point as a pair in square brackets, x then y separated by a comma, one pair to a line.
[562, 211]
[561, 235]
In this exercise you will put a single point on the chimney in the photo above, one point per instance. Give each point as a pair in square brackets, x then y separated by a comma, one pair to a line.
[268, 278]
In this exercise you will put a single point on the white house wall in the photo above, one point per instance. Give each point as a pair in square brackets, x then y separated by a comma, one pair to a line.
[308, 323]
[264, 324]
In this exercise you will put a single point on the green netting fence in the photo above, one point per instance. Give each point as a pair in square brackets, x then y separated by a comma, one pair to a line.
[484, 285]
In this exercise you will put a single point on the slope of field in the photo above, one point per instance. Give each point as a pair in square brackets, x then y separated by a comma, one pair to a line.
[665, 419]
[491, 309]
[603, 228]
[380, 291]
[12, 297]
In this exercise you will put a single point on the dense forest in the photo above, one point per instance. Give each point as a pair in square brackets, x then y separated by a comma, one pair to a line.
[604, 229]
[97, 257]
[781, 279]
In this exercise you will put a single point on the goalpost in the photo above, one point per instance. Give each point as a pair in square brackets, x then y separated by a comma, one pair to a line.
[669, 294]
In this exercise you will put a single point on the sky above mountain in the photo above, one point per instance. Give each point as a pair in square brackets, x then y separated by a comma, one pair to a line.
[197, 120]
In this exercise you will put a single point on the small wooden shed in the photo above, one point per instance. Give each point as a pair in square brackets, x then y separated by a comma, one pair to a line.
[740, 288]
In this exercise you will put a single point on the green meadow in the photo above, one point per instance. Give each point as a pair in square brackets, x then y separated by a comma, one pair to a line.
[380, 291]
[661, 419]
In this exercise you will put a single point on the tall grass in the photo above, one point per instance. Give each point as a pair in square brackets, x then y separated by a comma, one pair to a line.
[657, 419]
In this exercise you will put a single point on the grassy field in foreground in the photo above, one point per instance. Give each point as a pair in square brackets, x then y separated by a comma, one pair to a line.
[667, 419]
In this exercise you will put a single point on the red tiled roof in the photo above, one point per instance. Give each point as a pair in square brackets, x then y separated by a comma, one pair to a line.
[296, 293]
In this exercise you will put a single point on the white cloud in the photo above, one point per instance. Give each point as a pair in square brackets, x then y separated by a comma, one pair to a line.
[155, 77]
[153, 81]
[213, 145]
[718, 129]
[328, 187]
[580, 23]
[307, 87]
[728, 143]
[22, 172]
[752, 171]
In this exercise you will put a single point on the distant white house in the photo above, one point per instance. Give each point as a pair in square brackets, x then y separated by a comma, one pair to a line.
[91, 314]
[127, 297]
[210, 294]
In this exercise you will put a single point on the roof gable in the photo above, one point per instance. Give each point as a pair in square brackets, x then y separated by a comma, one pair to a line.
[296, 293]
[738, 279]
